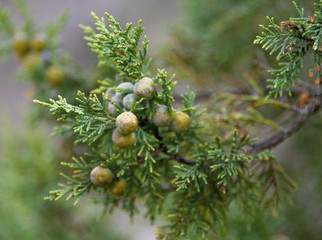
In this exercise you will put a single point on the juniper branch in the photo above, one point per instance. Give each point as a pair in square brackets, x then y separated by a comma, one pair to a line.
[271, 142]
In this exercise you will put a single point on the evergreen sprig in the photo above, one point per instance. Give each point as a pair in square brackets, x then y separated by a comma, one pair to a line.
[292, 40]
[89, 119]
[117, 48]
[198, 172]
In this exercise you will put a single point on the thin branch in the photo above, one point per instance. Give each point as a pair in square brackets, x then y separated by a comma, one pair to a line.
[271, 142]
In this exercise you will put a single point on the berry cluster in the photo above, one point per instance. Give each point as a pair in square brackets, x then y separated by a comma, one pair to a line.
[31, 51]
[125, 96]
[103, 177]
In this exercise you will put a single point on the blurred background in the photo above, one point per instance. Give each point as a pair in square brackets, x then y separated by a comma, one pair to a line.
[206, 43]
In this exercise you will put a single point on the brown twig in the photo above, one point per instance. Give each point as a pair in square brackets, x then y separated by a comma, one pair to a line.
[304, 114]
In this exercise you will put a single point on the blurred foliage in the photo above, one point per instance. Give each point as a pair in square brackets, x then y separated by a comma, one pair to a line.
[213, 41]
[28, 169]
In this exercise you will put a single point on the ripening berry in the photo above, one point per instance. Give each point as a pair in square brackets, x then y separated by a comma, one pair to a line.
[180, 122]
[127, 122]
[144, 88]
[126, 86]
[101, 177]
[55, 76]
[38, 42]
[122, 141]
[20, 43]
[129, 100]
[162, 116]
[118, 188]
[31, 60]
[304, 99]
[318, 68]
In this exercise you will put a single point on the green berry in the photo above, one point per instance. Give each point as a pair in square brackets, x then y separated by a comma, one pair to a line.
[55, 76]
[161, 117]
[144, 88]
[126, 86]
[38, 42]
[129, 100]
[180, 122]
[101, 177]
[20, 43]
[122, 141]
[118, 188]
[127, 122]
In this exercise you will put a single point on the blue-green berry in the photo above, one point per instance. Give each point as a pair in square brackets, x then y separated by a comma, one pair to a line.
[129, 100]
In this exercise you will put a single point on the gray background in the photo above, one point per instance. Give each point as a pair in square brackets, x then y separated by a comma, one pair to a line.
[157, 15]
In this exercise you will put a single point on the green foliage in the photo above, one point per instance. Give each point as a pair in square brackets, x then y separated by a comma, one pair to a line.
[118, 49]
[189, 169]
[291, 41]
[191, 177]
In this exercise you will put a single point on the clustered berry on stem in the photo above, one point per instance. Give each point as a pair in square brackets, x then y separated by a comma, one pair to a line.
[103, 177]
[31, 51]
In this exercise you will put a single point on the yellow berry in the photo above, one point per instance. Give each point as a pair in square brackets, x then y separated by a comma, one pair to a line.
[122, 141]
[20, 43]
[144, 88]
[31, 60]
[126, 122]
[55, 76]
[38, 42]
[101, 176]
[161, 117]
[118, 188]
[180, 122]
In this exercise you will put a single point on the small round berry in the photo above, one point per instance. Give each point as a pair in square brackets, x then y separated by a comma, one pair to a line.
[101, 176]
[122, 141]
[118, 188]
[180, 122]
[20, 43]
[144, 88]
[55, 76]
[112, 110]
[109, 93]
[31, 60]
[161, 117]
[38, 42]
[118, 98]
[126, 86]
[127, 122]
[129, 100]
